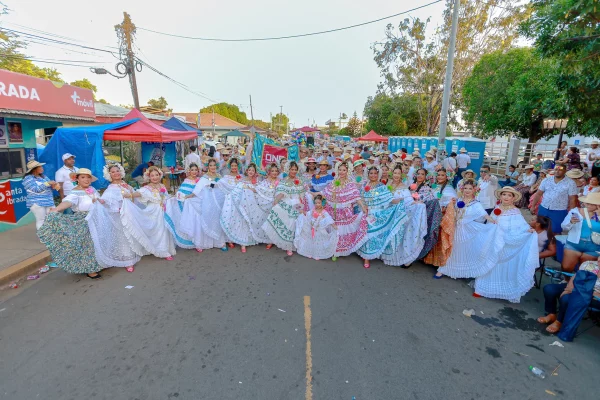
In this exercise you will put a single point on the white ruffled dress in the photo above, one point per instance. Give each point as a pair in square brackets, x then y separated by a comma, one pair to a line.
[104, 220]
[235, 220]
[200, 219]
[174, 213]
[477, 245]
[512, 276]
[413, 240]
[146, 227]
[316, 235]
[280, 226]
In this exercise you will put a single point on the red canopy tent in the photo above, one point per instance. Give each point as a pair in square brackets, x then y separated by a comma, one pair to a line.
[145, 130]
[372, 137]
[307, 129]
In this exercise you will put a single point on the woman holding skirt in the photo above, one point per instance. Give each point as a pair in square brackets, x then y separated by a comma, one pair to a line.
[200, 217]
[265, 195]
[289, 202]
[348, 210]
[411, 244]
[316, 233]
[146, 228]
[67, 236]
[174, 207]
[434, 211]
[446, 195]
[104, 220]
[386, 220]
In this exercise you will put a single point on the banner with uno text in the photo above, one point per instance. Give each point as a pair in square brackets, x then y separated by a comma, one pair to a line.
[266, 151]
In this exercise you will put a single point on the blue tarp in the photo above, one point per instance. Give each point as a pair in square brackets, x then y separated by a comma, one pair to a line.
[85, 143]
[175, 124]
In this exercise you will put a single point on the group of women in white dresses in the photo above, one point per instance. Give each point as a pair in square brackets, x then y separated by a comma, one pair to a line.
[315, 210]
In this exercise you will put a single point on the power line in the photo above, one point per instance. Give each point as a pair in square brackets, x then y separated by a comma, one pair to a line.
[53, 62]
[23, 57]
[30, 35]
[291, 36]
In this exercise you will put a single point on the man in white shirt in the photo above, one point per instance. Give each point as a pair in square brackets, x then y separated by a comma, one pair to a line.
[488, 184]
[63, 175]
[191, 158]
[462, 162]
[559, 195]
[449, 163]
[430, 162]
[593, 155]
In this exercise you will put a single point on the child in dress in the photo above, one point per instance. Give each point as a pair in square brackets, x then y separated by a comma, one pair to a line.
[316, 232]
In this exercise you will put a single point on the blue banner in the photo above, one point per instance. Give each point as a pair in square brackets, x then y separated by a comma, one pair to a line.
[273, 151]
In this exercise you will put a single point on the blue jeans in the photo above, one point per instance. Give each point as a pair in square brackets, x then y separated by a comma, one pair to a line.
[552, 297]
[507, 182]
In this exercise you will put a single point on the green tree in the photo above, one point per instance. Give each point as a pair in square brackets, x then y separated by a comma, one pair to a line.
[280, 123]
[102, 101]
[354, 125]
[410, 62]
[85, 84]
[569, 32]
[227, 110]
[512, 92]
[395, 115]
[160, 103]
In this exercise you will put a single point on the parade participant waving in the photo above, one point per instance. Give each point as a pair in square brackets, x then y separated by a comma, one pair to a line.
[200, 218]
[104, 220]
[289, 202]
[316, 233]
[512, 276]
[174, 207]
[386, 220]
[476, 246]
[67, 236]
[348, 210]
[146, 228]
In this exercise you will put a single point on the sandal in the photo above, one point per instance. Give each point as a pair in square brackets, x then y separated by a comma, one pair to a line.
[130, 269]
[476, 295]
[269, 246]
[554, 327]
[199, 250]
[289, 252]
[170, 258]
[367, 264]
[231, 245]
[548, 319]
[224, 248]
[243, 249]
[436, 276]
[95, 276]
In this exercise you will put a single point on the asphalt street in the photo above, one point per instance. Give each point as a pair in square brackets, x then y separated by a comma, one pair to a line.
[232, 326]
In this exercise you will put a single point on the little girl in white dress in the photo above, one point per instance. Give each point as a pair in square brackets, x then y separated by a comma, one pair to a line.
[316, 233]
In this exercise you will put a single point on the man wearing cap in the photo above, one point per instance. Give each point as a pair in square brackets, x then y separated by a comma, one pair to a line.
[223, 167]
[462, 163]
[218, 150]
[593, 158]
[63, 175]
[559, 195]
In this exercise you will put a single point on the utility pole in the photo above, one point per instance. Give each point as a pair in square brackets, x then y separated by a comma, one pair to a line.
[280, 114]
[252, 130]
[448, 81]
[125, 32]
[271, 115]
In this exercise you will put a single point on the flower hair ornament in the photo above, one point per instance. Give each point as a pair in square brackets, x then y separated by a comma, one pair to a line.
[378, 169]
[106, 171]
[215, 160]
[152, 168]
[337, 167]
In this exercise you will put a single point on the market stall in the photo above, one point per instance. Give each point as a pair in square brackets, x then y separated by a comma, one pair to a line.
[373, 137]
[27, 105]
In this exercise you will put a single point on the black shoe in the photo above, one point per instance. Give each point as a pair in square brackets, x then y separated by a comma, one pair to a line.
[94, 277]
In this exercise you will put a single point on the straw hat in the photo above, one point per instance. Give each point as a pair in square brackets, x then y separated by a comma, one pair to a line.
[462, 150]
[331, 145]
[529, 167]
[595, 142]
[591, 198]
[509, 189]
[310, 160]
[408, 158]
[575, 173]
[347, 157]
[428, 154]
[348, 148]
[466, 172]
[219, 146]
[416, 154]
[324, 162]
[31, 165]
[397, 153]
[83, 171]
[358, 162]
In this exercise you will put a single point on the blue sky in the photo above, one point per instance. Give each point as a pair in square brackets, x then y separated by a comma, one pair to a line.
[313, 78]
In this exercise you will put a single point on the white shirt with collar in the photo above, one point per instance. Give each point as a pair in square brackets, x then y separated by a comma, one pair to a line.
[463, 160]
[191, 158]
[556, 194]
[63, 176]
[528, 180]
[487, 189]
[596, 153]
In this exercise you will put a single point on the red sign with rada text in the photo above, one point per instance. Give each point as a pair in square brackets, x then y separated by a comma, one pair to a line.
[272, 154]
[26, 93]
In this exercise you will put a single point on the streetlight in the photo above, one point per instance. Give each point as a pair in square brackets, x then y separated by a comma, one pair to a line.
[552, 124]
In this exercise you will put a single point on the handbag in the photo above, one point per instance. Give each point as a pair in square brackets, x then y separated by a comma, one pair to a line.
[595, 235]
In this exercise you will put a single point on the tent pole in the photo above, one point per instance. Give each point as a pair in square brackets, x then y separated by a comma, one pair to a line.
[121, 151]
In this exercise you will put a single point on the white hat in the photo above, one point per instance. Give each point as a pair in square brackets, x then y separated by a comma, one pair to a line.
[67, 156]
[595, 142]
[462, 150]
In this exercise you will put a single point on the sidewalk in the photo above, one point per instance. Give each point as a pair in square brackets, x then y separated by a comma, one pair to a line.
[21, 252]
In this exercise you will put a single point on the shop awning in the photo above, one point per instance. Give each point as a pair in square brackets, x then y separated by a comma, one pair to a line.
[372, 137]
[175, 124]
[307, 129]
[145, 130]
[234, 133]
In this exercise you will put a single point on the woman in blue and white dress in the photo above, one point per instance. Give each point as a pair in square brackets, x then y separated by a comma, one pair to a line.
[411, 244]
[174, 207]
[321, 178]
[236, 218]
[104, 220]
[200, 218]
[67, 236]
[386, 218]
[145, 226]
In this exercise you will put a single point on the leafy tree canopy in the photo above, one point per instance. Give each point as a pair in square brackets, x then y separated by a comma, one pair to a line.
[85, 84]
[160, 103]
[569, 32]
[230, 111]
[512, 92]
[280, 123]
[395, 114]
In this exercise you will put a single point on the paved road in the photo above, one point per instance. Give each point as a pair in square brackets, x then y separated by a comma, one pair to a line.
[211, 326]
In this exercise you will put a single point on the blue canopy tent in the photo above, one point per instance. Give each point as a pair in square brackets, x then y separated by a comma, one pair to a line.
[175, 124]
[85, 143]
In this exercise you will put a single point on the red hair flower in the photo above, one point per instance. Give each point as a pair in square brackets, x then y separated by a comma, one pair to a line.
[367, 188]
[498, 202]
[296, 182]
[384, 181]
[238, 177]
[333, 174]
[415, 196]
[497, 211]
[413, 186]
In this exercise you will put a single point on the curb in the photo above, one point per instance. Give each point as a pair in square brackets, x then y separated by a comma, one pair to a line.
[24, 268]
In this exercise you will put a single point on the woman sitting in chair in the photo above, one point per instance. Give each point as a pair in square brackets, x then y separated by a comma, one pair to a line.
[546, 240]
[583, 241]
